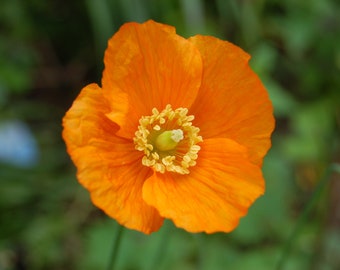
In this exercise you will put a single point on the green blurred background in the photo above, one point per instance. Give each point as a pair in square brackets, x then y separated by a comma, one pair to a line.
[49, 50]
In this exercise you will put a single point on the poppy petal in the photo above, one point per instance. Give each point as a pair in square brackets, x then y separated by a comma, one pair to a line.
[118, 192]
[148, 66]
[232, 101]
[215, 195]
[89, 134]
[108, 166]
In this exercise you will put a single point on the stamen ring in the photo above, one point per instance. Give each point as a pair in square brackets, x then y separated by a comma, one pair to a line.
[168, 140]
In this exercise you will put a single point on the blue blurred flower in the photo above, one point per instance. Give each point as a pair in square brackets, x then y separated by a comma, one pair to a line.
[18, 146]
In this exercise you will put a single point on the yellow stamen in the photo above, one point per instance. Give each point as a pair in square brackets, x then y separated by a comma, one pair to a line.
[168, 140]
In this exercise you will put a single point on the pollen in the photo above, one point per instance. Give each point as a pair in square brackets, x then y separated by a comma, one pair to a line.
[169, 140]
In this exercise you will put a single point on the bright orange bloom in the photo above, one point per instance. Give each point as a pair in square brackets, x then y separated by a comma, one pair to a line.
[178, 130]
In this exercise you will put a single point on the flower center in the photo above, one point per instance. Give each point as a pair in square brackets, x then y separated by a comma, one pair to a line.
[168, 140]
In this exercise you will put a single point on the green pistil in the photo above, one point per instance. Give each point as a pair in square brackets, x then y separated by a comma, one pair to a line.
[169, 139]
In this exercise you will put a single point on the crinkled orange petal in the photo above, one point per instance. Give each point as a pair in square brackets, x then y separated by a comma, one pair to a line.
[215, 195]
[232, 102]
[89, 134]
[107, 165]
[118, 192]
[148, 65]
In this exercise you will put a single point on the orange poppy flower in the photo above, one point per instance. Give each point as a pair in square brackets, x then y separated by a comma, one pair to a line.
[178, 130]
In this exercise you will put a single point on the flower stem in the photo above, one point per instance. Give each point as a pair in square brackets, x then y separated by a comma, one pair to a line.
[306, 212]
[163, 244]
[201, 244]
[115, 247]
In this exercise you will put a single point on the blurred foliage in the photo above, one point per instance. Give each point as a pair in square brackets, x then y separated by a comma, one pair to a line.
[51, 49]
